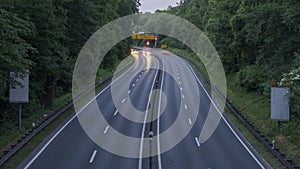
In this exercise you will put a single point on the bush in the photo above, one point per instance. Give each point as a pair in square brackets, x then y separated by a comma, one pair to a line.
[293, 79]
[251, 77]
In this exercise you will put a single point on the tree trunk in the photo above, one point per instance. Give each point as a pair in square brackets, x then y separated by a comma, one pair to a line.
[49, 91]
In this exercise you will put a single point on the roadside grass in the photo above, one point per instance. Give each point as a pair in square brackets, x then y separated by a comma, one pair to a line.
[256, 109]
[10, 133]
[20, 155]
[16, 159]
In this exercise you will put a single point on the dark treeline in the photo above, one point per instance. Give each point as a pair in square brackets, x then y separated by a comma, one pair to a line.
[258, 40]
[46, 37]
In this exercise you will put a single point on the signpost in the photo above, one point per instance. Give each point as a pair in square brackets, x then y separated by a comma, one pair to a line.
[19, 93]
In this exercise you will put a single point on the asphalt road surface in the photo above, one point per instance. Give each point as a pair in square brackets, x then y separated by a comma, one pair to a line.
[159, 86]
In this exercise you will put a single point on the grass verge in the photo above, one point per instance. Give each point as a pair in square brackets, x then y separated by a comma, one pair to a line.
[255, 108]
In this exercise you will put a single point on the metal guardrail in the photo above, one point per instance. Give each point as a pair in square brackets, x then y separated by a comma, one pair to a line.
[288, 163]
[253, 129]
[13, 148]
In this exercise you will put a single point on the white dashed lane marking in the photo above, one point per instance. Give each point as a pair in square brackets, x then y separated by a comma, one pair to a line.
[93, 156]
[197, 141]
[190, 121]
[116, 112]
[106, 129]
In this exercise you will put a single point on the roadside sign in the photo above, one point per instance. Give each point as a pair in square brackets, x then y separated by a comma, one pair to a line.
[19, 93]
[145, 36]
[280, 104]
[164, 46]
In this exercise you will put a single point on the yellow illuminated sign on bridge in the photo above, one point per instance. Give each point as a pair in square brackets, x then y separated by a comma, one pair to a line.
[146, 36]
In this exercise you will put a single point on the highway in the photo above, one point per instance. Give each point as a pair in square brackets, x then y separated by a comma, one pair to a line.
[159, 86]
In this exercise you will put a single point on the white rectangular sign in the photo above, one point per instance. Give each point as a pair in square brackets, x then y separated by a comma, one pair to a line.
[19, 93]
[280, 109]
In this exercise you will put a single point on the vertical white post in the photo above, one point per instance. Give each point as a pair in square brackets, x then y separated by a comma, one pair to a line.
[273, 144]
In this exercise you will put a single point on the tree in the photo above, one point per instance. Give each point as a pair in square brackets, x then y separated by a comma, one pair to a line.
[13, 51]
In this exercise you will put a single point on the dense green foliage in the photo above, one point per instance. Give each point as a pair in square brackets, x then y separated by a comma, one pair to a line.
[257, 40]
[46, 37]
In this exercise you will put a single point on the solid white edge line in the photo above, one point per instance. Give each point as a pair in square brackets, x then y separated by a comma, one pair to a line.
[244, 145]
[59, 131]
[197, 141]
[106, 129]
[158, 120]
[93, 156]
[144, 126]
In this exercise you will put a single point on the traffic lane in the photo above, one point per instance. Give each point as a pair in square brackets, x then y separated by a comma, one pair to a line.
[128, 82]
[122, 125]
[184, 154]
[52, 153]
[73, 149]
[247, 161]
[222, 149]
[64, 159]
[182, 89]
[70, 149]
[138, 98]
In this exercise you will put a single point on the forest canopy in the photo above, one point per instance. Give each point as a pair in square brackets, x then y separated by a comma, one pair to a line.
[46, 37]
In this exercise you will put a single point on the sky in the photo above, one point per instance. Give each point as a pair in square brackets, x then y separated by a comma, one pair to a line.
[153, 5]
